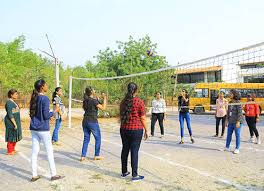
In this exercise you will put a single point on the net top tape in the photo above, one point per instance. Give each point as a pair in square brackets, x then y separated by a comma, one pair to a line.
[170, 67]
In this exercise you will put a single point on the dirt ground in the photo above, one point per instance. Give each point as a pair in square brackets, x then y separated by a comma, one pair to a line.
[165, 164]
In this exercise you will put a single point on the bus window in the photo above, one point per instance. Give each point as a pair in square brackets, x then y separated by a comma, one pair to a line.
[226, 91]
[260, 93]
[200, 93]
[213, 96]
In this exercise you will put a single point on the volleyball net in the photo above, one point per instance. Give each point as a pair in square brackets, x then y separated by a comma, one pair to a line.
[241, 69]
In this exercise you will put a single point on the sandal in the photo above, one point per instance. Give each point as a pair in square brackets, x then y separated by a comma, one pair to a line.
[57, 177]
[34, 179]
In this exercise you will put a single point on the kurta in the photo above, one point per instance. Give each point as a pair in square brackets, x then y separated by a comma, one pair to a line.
[12, 111]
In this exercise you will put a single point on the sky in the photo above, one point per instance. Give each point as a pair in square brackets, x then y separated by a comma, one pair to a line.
[184, 30]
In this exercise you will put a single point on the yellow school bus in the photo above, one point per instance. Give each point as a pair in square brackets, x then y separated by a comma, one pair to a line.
[206, 94]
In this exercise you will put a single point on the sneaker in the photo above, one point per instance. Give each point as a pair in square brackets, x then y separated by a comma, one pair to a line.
[226, 149]
[82, 159]
[137, 178]
[192, 140]
[181, 142]
[222, 136]
[57, 177]
[34, 179]
[123, 175]
[251, 140]
[236, 151]
[215, 136]
[258, 141]
[161, 136]
[98, 158]
[57, 144]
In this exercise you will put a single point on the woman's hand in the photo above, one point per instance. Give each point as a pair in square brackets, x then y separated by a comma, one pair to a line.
[15, 126]
[52, 119]
[57, 109]
[257, 119]
[237, 124]
[145, 135]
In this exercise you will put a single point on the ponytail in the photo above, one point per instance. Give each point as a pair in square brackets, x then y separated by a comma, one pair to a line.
[127, 103]
[54, 94]
[33, 104]
[34, 97]
[87, 93]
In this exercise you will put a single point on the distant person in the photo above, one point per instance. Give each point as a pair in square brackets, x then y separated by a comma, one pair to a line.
[252, 113]
[235, 120]
[133, 125]
[183, 104]
[220, 114]
[12, 122]
[158, 111]
[40, 128]
[90, 122]
[57, 104]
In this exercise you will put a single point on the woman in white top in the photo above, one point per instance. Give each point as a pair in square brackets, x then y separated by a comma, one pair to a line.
[158, 110]
[220, 114]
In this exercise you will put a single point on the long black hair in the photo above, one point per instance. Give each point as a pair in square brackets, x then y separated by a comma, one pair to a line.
[33, 101]
[127, 103]
[87, 93]
[236, 94]
[54, 94]
[186, 92]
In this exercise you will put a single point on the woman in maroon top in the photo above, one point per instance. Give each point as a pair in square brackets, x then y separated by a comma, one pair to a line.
[133, 123]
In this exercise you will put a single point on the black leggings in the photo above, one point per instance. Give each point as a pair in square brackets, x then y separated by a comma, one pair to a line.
[154, 118]
[251, 122]
[218, 119]
[131, 140]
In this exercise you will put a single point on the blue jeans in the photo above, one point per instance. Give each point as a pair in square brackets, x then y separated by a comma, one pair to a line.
[89, 128]
[231, 128]
[55, 135]
[185, 116]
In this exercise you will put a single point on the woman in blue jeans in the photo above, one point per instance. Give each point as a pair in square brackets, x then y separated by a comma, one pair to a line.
[235, 120]
[183, 104]
[57, 105]
[90, 122]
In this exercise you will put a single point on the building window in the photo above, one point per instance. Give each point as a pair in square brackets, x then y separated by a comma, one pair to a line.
[199, 93]
[254, 79]
[252, 65]
[214, 76]
[191, 78]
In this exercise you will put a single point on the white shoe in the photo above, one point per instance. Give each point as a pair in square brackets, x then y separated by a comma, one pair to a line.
[258, 141]
[161, 136]
[251, 140]
[236, 151]
[226, 149]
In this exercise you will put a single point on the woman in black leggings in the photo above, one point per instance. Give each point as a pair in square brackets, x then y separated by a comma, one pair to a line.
[158, 113]
[252, 117]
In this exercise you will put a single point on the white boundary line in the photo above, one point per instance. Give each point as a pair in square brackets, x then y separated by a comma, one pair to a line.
[217, 142]
[202, 173]
[22, 155]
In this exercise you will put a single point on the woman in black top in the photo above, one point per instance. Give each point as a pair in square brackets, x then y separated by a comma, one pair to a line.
[183, 104]
[90, 122]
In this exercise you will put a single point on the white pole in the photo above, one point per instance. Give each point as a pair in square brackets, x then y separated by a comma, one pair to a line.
[57, 73]
[70, 101]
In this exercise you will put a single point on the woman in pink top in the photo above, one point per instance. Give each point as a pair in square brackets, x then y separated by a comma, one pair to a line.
[220, 114]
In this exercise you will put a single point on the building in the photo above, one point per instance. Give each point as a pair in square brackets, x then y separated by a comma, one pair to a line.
[244, 65]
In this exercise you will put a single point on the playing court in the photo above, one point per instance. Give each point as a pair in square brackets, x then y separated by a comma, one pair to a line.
[165, 164]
